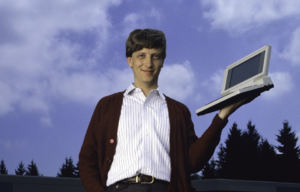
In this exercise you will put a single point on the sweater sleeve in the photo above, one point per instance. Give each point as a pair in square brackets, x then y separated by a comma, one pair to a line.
[88, 157]
[201, 149]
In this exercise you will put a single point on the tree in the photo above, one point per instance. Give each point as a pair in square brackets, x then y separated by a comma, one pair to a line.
[229, 163]
[250, 153]
[32, 169]
[195, 176]
[268, 162]
[67, 169]
[289, 164]
[3, 169]
[209, 170]
[76, 170]
[21, 169]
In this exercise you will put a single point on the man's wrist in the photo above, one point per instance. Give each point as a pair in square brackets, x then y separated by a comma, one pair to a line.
[223, 115]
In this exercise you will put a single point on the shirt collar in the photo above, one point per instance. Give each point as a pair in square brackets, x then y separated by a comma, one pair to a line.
[131, 88]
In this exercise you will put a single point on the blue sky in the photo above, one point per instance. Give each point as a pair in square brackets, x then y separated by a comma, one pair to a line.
[58, 58]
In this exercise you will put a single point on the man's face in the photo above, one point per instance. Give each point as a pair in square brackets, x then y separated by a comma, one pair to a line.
[146, 65]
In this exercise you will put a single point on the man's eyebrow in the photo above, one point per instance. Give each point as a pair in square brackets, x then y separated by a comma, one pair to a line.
[159, 53]
[138, 52]
[142, 52]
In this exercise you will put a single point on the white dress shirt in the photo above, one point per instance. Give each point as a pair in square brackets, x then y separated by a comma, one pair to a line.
[143, 143]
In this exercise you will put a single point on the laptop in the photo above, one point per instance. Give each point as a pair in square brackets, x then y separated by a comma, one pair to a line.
[247, 76]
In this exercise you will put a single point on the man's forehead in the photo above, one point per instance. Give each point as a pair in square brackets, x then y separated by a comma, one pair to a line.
[147, 50]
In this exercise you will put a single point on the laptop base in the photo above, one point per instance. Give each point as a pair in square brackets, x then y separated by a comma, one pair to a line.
[235, 97]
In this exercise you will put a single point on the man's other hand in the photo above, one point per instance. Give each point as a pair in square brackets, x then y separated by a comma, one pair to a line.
[227, 111]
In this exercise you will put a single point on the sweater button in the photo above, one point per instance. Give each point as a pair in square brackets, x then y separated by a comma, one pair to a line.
[111, 141]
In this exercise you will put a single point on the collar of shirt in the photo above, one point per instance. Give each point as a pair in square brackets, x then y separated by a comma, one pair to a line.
[131, 88]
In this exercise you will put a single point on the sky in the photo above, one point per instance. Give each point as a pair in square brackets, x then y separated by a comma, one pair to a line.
[59, 57]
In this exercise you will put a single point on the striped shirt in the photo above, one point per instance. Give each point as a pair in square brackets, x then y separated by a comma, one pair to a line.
[143, 143]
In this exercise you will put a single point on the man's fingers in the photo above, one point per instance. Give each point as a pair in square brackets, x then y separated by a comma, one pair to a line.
[251, 98]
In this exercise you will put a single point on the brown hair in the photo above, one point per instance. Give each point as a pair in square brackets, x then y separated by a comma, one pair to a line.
[145, 38]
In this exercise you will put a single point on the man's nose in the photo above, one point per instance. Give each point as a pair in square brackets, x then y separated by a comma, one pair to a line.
[149, 61]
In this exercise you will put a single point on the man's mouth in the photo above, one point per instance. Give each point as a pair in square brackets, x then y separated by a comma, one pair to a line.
[147, 71]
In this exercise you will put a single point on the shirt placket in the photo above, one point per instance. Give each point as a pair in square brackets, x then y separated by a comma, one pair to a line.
[146, 134]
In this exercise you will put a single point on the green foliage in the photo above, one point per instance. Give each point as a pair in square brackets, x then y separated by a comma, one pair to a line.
[76, 170]
[250, 153]
[67, 169]
[289, 163]
[288, 142]
[229, 163]
[267, 162]
[209, 170]
[32, 169]
[21, 169]
[247, 156]
[195, 176]
[3, 169]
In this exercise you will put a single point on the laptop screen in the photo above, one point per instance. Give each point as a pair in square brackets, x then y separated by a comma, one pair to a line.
[245, 70]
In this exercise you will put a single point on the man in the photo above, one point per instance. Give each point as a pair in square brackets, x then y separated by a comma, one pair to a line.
[142, 140]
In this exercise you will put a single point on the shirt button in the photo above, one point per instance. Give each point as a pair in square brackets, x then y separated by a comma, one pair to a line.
[111, 141]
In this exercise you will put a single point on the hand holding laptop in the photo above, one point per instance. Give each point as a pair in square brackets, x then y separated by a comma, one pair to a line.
[228, 110]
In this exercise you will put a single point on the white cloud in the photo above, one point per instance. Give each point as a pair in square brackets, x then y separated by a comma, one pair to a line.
[7, 98]
[132, 21]
[46, 121]
[177, 81]
[40, 56]
[214, 84]
[282, 85]
[89, 87]
[8, 144]
[292, 52]
[139, 20]
[199, 98]
[238, 16]
[155, 13]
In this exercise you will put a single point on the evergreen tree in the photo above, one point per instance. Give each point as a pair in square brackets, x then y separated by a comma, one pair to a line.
[229, 164]
[76, 170]
[268, 162]
[32, 169]
[67, 169]
[288, 168]
[21, 169]
[250, 153]
[209, 171]
[221, 162]
[195, 176]
[3, 169]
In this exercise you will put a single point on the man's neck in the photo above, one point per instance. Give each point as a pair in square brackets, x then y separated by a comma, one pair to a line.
[146, 89]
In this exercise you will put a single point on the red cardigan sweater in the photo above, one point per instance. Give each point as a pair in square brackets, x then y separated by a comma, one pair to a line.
[188, 153]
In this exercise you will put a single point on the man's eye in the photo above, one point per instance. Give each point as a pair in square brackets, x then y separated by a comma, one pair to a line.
[141, 56]
[156, 56]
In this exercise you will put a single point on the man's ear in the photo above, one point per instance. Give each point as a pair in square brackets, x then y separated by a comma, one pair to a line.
[129, 61]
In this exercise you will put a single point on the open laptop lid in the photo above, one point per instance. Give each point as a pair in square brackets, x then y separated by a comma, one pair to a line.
[246, 71]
